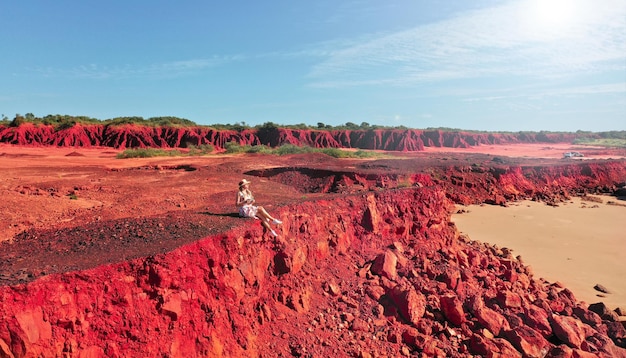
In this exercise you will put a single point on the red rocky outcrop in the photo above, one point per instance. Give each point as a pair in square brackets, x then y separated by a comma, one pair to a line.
[551, 184]
[452, 309]
[369, 273]
[137, 136]
[343, 280]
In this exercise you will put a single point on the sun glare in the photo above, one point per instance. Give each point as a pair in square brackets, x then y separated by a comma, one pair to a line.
[553, 18]
[556, 13]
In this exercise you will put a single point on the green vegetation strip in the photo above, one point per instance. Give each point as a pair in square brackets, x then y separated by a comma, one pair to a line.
[235, 148]
[158, 152]
[148, 153]
[232, 147]
[602, 142]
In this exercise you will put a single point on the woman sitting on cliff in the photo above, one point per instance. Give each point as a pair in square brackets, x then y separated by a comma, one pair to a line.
[245, 201]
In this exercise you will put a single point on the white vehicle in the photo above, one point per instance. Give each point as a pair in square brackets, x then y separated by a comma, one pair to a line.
[572, 155]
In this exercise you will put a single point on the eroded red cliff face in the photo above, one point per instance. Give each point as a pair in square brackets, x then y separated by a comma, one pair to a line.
[371, 273]
[133, 136]
[471, 184]
[551, 184]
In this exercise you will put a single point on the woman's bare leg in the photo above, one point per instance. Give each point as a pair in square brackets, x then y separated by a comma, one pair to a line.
[263, 214]
[265, 218]
[266, 224]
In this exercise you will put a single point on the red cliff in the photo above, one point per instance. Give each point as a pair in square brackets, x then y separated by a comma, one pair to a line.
[371, 273]
[134, 136]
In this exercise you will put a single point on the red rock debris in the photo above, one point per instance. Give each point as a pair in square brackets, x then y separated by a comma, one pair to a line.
[342, 281]
[374, 271]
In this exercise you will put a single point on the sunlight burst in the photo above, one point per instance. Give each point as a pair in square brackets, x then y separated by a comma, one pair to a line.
[554, 18]
[554, 13]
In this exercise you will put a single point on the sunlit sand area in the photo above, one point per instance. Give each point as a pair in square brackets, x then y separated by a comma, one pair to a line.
[580, 243]
[534, 150]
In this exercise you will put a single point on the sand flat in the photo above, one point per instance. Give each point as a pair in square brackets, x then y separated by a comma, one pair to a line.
[579, 243]
[537, 150]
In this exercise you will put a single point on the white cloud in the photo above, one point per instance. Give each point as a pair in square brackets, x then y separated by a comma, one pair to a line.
[506, 40]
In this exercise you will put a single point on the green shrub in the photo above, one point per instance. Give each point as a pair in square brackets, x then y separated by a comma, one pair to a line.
[603, 142]
[335, 152]
[366, 154]
[203, 149]
[170, 121]
[342, 153]
[17, 121]
[234, 148]
[147, 153]
[118, 121]
[292, 149]
[260, 149]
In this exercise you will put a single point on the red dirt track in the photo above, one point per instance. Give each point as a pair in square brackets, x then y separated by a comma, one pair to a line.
[104, 257]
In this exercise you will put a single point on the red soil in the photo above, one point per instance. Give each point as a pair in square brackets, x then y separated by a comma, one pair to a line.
[145, 257]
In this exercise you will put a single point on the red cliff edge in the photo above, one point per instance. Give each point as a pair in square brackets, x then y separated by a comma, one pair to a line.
[381, 273]
[135, 136]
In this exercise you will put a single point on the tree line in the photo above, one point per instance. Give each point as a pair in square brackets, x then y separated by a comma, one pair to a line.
[61, 121]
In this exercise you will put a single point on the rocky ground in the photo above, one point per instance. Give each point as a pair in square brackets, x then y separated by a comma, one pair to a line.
[147, 257]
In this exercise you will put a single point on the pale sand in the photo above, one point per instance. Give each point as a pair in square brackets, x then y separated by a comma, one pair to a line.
[576, 243]
[537, 150]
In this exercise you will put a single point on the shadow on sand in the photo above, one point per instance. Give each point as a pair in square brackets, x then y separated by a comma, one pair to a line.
[231, 215]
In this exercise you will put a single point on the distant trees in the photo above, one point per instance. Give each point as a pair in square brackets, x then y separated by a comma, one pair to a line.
[240, 127]
[167, 121]
[57, 120]
[268, 126]
[171, 121]
[268, 132]
[17, 121]
[613, 135]
[66, 121]
[60, 121]
[321, 125]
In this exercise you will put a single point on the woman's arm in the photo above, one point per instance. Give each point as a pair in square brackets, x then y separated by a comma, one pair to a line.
[244, 198]
[240, 200]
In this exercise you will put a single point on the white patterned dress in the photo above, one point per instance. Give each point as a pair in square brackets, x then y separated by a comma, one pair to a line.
[246, 210]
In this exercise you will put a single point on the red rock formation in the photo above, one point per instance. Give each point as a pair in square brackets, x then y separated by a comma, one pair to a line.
[371, 272]
[77, 136]
[26, 134]
[324, 289]
[135, 136]
[552, 184]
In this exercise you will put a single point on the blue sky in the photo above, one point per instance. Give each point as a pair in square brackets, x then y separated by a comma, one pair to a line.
[557, 65]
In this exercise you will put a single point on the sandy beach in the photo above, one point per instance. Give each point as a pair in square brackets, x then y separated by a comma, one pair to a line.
[580, 243]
